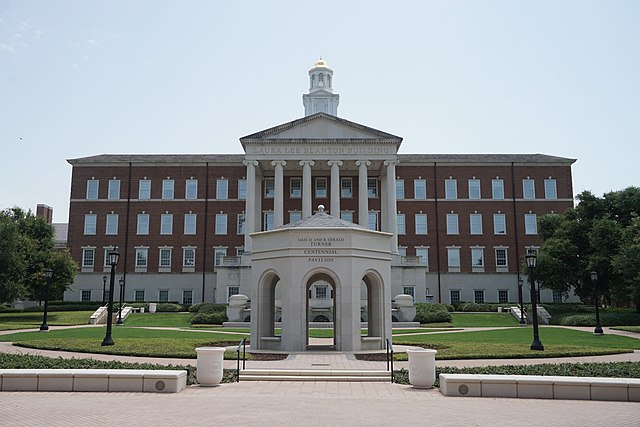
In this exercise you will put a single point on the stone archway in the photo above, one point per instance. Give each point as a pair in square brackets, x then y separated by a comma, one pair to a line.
[264, 312]
[376, 319]
[328, 277]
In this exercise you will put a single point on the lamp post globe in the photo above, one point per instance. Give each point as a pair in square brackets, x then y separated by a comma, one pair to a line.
[48, 273]
[532, 260]
[113, 261]
[594, 279]
[121, 282]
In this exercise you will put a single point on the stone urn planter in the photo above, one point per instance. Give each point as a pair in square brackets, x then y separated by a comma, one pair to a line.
[422, 367]
[210, 364]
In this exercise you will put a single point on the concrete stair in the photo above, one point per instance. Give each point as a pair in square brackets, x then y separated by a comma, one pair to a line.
[315, 375]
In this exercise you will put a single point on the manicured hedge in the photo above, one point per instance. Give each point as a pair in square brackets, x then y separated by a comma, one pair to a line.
[209, 318]
[432, 313]
[481, 308]
[606, 319]
[208, 307]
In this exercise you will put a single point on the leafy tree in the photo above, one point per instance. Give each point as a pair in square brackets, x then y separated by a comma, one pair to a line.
[26, 250]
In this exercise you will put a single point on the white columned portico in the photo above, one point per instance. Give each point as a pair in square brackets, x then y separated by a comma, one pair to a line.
[392, 208]
[278, 200]
[250, 203]
[334, 208]
[363, 193]
[306, 187]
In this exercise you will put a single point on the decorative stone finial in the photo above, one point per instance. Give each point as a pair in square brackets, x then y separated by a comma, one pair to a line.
[320, 208]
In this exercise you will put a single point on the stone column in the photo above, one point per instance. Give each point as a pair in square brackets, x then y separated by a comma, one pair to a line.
[250, 203]
[306, 187]
[363, 193]
[334, 208]
[392, 208]
[278, 200]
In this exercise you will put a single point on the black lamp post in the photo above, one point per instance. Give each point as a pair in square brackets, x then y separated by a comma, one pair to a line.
[113, 261]
[104, 288]
[531, 263]
[594, 279]
[48, 273]
[121, 281]
[520, 283]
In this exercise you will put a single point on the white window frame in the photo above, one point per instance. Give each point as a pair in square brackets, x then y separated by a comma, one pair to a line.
[191, 189]
[144, 189]
[190, 224]
[189, 257]
[499, 224]
[503, 292]
[114, 189]
[90, 224]
[142, 227]
[499, 258]
[423, 256]
[85, 295]
[476, 293]
[164, 258]
[240, 223]
[321, 187]
[222, 189]
[111, 225]
[420, 189]
[528, 189]
[530, 224]
[453, 258]
[168, 189]
[142, 257]
[372, 188]
[372, 221]
[401, 224]
[139, 295]
[497, 189]
[166, 224]
[409, 290]
[550, 189]
[346, 188]
[269, 220]
[88, 261]
[242, 189]
[221, 224]
[187, 296]
[475, 192]
[477, 258]
[451, 189]
[232, 290]
[453, 227]
[295, 187]
[218, 254]
[346, 216]
[475, 223]
[160, 295]
[458, 296]
[421, 226]
[93, 188]
[295, 216]
[399, 189]
[269, 188]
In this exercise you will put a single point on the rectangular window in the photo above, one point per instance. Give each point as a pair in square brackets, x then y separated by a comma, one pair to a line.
[165, 257]
[107, 251]
[231, 291]
[497, 189]
[188, 257]
[190, 224]
[423, 255]
[450, 189]
[477, 257]
[421, 223]
[143, 224]
[90, 224]
[475, 223]
[138, 295]
[85, 296]
[503, 296]
[221, 223]
[242, 189]
[269, 188]
[167, 189]
[218, 255]
[453, 257]
[295, 216]
[321, 292]
[550, 190]
[346, 190]
[241, 219]
[112, 224]
[454, 297]
[321, 187]
[88, 257]
[372, 187]
[346, 215]
[399, 189]
[478, 296]
[402, 251]
[114, 189]
[222, 189]
[474, 189]
[166, 224]
[402, 228]
[420, 189]
[452, 224]
[295, 188]
[187, 296]
[499, 224]
[409, 290]
[557, 297]
[530, 224]
[268, 221]
[142, 257]
[92, 189]
[144, 189]
[501, 257]
[191, 189]
[528, 189]
[163, 295]
[373, 221]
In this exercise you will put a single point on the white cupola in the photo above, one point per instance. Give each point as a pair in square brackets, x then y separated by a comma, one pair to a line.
[320, 98]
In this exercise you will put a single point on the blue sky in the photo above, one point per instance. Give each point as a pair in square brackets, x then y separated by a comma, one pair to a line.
[85, 77]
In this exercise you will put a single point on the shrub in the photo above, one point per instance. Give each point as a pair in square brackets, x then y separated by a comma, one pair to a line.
[209, 318]
[432, 313]
[208, 307]
[606, 319]
[169, 307]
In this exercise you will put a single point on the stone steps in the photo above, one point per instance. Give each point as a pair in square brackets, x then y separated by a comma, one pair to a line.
[315, 375]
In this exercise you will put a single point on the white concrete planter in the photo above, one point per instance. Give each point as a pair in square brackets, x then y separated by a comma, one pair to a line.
[422, 367]
[152, 307]
[210, 364]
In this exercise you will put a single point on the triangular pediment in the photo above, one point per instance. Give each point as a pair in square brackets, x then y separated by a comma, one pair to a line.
[320, 126]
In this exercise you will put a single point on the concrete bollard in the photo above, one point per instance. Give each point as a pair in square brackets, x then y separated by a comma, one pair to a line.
[210, 364]
[422, 367]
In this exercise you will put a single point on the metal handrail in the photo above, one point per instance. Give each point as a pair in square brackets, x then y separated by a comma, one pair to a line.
[389, 357]
[242, 344]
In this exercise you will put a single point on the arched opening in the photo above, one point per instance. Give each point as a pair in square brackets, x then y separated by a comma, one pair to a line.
[321, 309]
[267, 313]
[375, 300]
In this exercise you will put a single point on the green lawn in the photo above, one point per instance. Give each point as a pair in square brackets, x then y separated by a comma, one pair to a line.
[628, 328]
[476, 320]
[515, 342]
[29, 320]
[173, 320]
